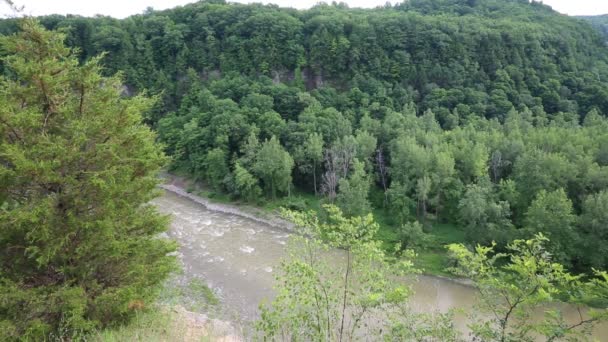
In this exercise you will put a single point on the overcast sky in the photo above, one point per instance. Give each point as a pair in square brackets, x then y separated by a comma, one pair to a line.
[123, 8]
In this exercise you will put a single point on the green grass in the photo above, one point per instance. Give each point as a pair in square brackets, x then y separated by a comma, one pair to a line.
[299, 200]
[166, 321]
[153, 325]
[216, 196]
[193, 295]
[434, 258]
[432, 262]
[446, 233]
[198, 289]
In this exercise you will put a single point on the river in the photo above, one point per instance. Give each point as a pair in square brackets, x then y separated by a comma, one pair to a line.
[237, 257]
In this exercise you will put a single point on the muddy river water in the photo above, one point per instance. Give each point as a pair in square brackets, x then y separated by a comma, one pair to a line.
[237, 257]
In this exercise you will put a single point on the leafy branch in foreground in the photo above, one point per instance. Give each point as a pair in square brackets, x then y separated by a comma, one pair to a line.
[509, 293]
[337, 285]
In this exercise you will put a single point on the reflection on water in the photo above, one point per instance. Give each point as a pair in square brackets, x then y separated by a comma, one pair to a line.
[237, 256]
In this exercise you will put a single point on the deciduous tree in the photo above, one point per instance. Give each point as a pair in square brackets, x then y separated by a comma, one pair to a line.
[353, 192]
[273, 165]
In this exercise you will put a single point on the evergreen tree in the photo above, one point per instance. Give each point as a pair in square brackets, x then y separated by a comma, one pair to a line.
[79, 245]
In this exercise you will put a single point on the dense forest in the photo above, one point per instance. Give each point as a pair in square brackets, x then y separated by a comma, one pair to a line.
[487, 117]
[486, 114]
[600, 22]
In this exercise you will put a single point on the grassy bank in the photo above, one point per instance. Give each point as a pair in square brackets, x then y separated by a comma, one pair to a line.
[432, 258]
[175, 317]
[154, 325]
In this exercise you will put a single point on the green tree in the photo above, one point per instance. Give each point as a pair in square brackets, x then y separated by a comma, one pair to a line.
[311, 155]
[400, 204]
[366, 147]
[331, 294]
[442, 177]
[273, 165]
[423, 189]
[551, 213]
[412, 235]
[314, 152]
[217, 168]
[271, 124]
[246, 184]
[513, 286]
[537, 170]
[249, 151]
[593, 225]
[409, 161]
[79, 241]
[353, 192]
[485, 217]
[475, 162]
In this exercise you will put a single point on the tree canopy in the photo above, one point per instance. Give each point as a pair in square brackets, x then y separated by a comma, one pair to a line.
[489, 115]
[467, 112]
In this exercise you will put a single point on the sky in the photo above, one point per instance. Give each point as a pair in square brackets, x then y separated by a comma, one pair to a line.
[124, 8]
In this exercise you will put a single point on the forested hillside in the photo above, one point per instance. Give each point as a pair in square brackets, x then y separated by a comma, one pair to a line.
[487, 114]
[486, 55]
[600, 22]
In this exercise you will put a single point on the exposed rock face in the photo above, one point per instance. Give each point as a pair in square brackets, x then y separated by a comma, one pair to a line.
[126, 91]
[312, 78]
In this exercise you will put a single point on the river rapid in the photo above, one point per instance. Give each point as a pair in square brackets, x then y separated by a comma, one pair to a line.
[237, 257]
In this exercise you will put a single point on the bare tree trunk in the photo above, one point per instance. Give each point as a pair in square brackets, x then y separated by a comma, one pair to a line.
[424, 212]
[314, 175]
[383, 171]
[345, 293]
[496, 164]
[331, 177]
[437, 206]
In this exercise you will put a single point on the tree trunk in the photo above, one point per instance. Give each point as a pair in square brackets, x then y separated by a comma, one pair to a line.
[314, 175]
[424, 212]
[382, 170]
[345, 292]
[437, 207]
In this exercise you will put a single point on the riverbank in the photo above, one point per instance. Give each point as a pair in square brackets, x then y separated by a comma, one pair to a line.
[248, 212]
[165, 323]
[230, 264]
[431, 260]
